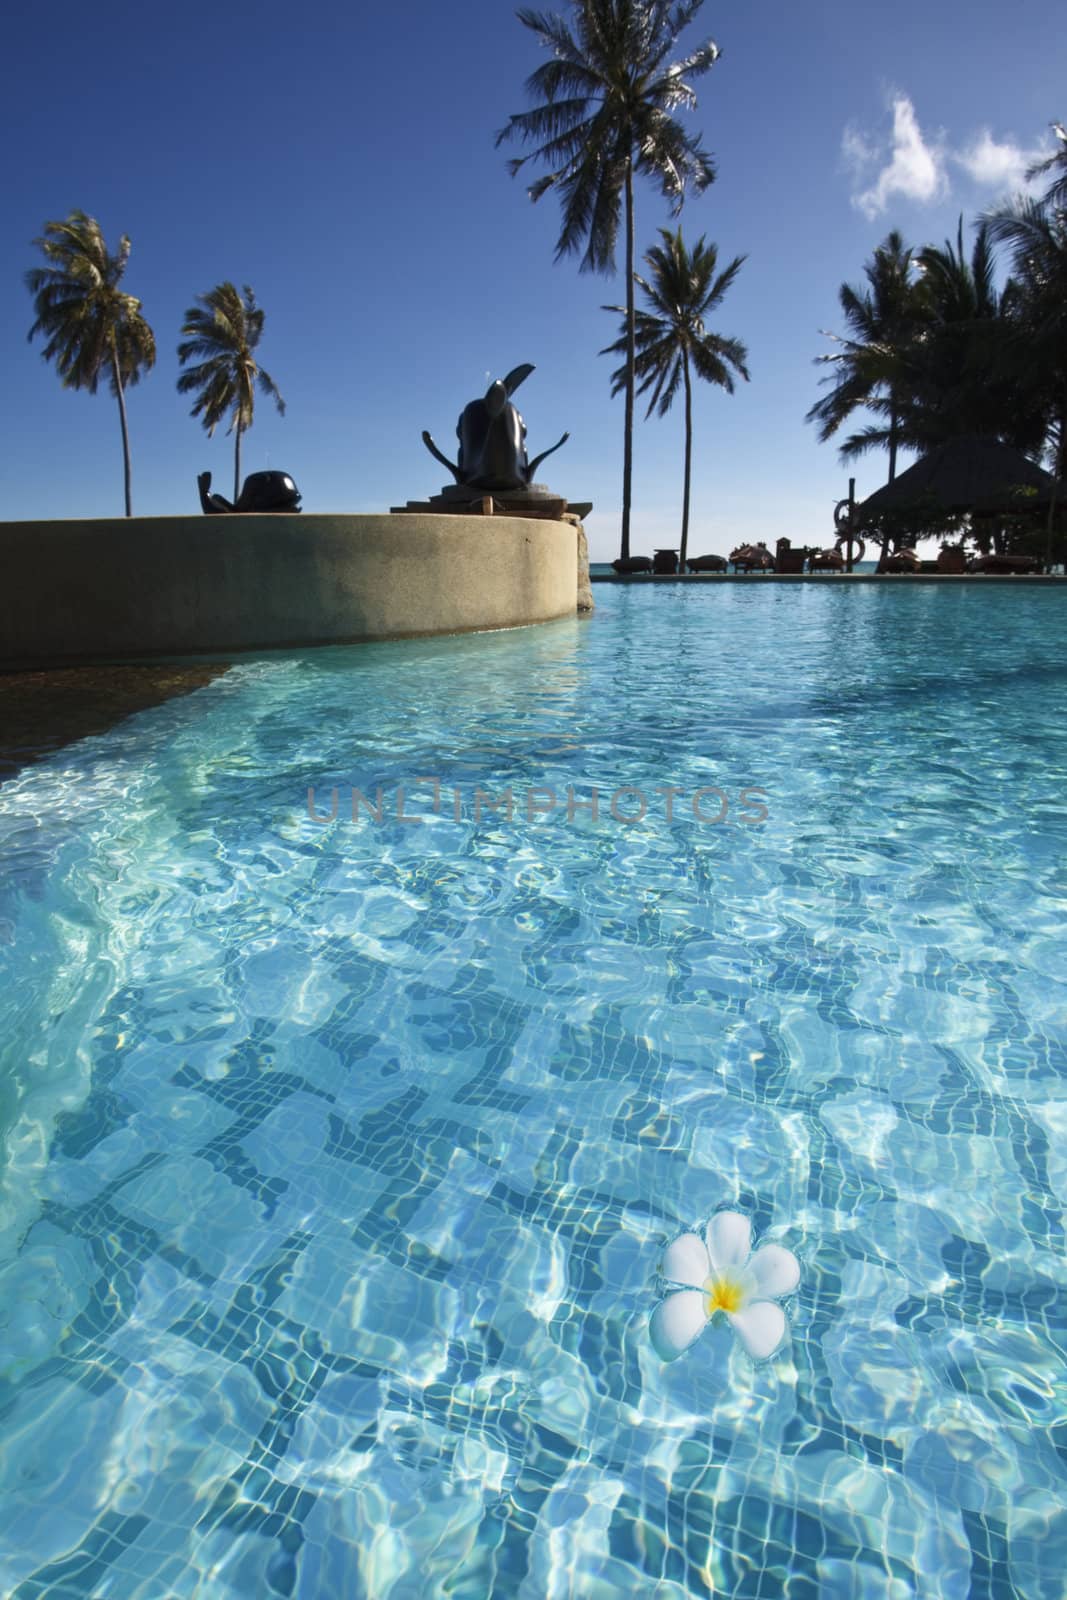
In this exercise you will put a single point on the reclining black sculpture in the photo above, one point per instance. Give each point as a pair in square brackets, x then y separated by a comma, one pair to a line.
[492, 440]
[262, 491]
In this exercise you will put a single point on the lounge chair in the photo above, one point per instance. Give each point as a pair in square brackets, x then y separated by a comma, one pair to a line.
[902, 561]
[752, 558]
[1005, 566]
[826, 561]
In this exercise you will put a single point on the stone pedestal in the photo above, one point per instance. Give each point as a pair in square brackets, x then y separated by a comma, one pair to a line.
[461, 499]
[585, 587]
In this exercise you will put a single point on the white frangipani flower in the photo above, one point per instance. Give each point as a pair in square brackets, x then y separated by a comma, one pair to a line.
[721, 1273]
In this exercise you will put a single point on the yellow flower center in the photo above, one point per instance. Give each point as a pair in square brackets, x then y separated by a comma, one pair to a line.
[723, 1294]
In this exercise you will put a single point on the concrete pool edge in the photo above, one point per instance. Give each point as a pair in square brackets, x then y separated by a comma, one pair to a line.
[81, 591]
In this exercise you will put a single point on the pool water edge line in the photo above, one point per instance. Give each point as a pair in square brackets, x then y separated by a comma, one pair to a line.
[761, 580]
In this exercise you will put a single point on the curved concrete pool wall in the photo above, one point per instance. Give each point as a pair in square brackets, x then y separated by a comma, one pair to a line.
[165, 586]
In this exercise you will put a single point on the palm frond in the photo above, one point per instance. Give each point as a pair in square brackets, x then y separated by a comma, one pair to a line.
[1055, 196]
[604, 103]
[88, 322]
[682, 286]
[222, 331]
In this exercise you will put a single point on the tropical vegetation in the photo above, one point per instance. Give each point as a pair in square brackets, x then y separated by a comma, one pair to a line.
[673, 342]
[221, 335]
[935, 349]
[1035, 231]
[1056, 164]
[91, 326]
[882, 321]
[605, 114]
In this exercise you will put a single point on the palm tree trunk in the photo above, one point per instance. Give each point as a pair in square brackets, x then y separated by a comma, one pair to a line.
[688, 462]
[893, 443]
[1050, 524]
[237, 463]
[885, 539]
[127, 476]
[631, 320]
[1059, 467]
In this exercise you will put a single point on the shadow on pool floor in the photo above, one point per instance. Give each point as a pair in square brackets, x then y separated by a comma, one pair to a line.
[42, 711]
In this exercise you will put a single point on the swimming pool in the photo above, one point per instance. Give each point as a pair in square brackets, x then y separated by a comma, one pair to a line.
[342, 1156]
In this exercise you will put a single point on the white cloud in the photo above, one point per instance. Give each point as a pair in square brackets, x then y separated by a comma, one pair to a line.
[857, 150]
[997, 164]
[915, 168]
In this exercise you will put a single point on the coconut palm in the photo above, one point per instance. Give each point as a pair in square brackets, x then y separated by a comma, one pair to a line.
[90, 324]
[882, 320]
[222, 332]
[607, 99]
[960, 375]
[672, 340]
[1037, 235]
[1056, 194]
[1036, 231]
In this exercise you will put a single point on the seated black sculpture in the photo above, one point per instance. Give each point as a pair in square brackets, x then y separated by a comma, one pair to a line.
[262, 491]
[492, 440]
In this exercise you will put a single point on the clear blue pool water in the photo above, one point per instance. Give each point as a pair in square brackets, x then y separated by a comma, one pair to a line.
[339, 1159]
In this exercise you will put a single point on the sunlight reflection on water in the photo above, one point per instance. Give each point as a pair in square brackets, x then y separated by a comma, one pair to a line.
[340, 1159]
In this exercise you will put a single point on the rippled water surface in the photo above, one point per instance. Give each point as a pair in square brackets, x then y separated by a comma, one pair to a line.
[340, 1158]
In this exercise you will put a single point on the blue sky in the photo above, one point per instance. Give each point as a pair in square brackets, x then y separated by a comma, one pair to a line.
[340, 159]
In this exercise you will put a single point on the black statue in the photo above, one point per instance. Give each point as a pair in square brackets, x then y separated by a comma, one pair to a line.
[262, 491]
[492, 440]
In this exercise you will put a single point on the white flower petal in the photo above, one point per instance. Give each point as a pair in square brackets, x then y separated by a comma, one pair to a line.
[760, 1327]
[729, 1237]
[686, 1261]
[676, 1322]
[776, 1271]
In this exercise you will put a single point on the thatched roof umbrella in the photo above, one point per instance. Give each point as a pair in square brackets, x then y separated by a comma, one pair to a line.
[971, 473]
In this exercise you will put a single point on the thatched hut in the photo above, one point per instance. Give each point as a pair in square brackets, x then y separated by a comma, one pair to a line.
[972, 475]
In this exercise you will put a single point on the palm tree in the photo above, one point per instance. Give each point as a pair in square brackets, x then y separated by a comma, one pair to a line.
[89, 323]
[672, 341]
[222, 332]
[1056, 194]
[1036, 231]
[882, 320]
[961, 375]
[607, 98]
[1037, 234]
